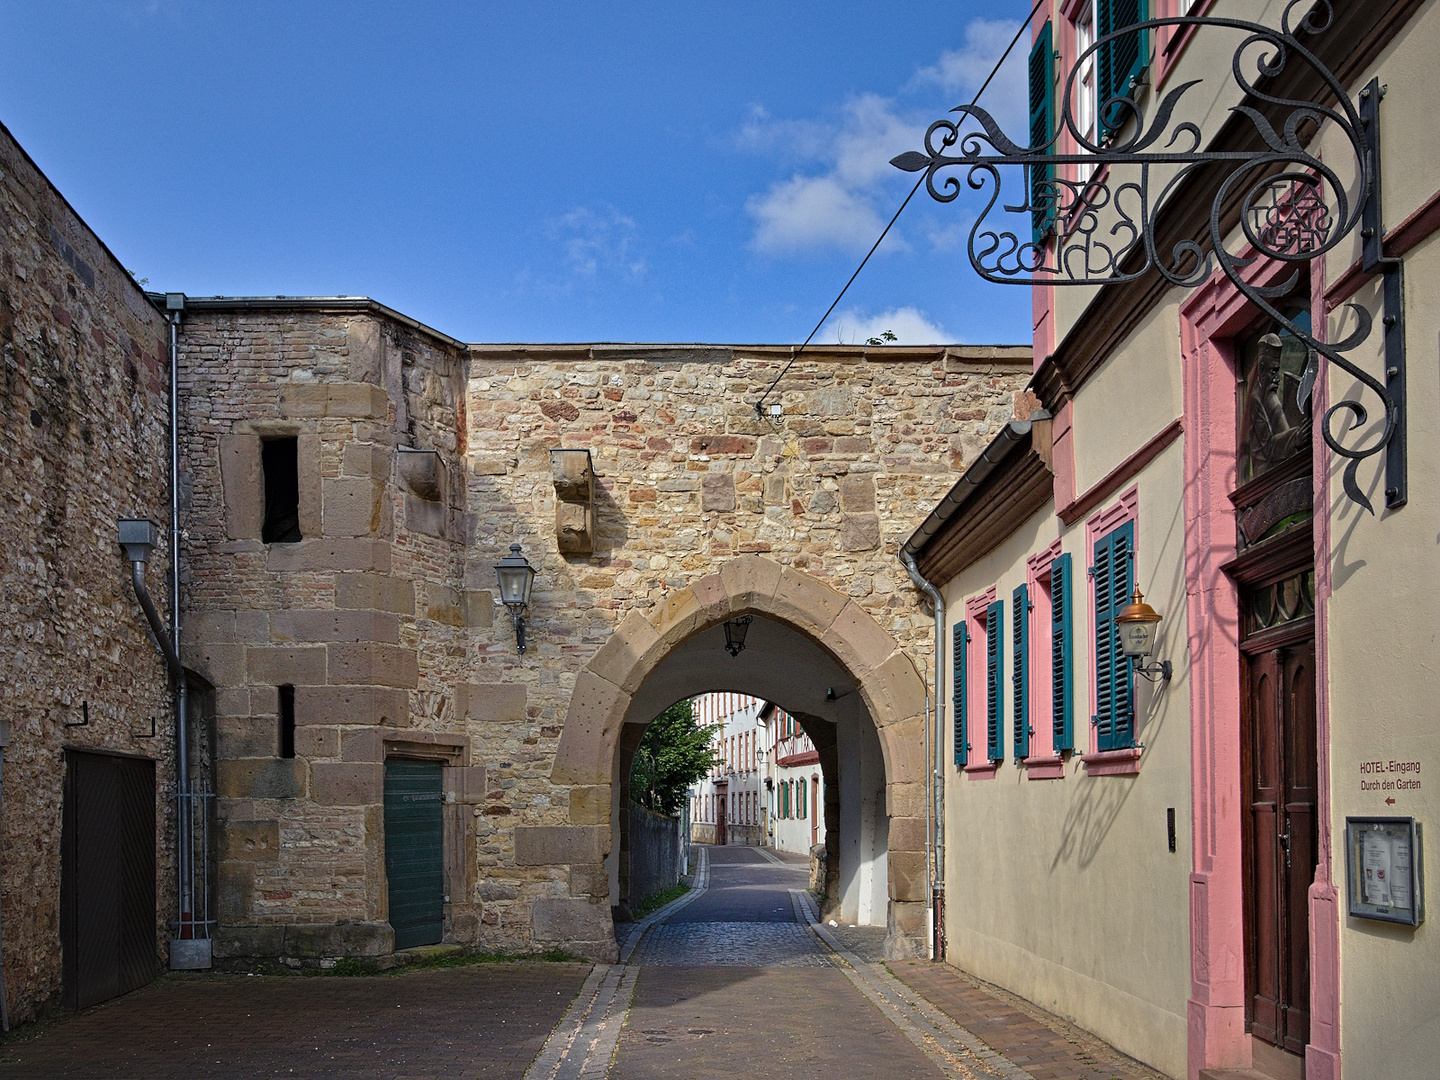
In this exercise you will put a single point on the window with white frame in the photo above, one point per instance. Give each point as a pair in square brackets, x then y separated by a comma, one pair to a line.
[1084, 104]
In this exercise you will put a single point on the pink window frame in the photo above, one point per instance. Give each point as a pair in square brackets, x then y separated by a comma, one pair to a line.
[1124, 762]
[1044, 763]
[1172, 41]
[976, 700]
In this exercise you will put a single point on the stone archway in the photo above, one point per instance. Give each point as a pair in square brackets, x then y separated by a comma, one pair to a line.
[886, 679]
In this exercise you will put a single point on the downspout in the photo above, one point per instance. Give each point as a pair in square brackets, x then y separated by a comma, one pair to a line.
[182, 709]
[937, 772]
[137, 537]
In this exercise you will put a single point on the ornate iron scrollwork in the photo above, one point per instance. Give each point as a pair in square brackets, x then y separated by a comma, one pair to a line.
[1101, 229]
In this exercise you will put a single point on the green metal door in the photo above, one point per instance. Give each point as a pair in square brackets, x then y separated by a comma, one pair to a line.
[413, 835]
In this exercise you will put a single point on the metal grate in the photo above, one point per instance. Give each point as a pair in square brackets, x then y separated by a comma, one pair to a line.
[195, 921]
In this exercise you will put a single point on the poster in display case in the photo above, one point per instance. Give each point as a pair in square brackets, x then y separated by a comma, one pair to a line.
[1383, 865]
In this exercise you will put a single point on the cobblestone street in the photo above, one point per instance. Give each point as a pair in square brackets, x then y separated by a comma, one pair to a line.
[737, 978]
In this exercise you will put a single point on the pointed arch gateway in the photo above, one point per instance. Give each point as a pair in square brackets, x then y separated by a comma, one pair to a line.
[884, 676]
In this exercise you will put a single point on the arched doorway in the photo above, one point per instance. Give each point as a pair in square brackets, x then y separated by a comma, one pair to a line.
[807, 638]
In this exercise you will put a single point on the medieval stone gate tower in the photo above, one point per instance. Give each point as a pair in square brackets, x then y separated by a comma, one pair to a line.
[353, 479]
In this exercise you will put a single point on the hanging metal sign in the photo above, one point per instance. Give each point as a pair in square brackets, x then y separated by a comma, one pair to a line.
[1094, 221]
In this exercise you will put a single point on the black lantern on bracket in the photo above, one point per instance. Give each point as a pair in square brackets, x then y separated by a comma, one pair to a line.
[516, 576]
[735, 631]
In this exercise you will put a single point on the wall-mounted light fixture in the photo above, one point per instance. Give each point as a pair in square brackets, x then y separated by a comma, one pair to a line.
[1137, 622]
[735, 631]
[515, 576]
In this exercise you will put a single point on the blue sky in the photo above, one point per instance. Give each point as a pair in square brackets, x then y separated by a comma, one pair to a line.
[526, 171]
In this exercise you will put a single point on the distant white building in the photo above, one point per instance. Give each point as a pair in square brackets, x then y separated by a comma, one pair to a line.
[728, 806]
[795, 788]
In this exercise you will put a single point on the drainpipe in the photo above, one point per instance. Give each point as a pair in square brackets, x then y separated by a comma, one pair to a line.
[937, 773]
[187, 952]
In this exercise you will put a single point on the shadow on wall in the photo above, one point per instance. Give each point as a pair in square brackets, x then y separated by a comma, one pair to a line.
[612, 528]
[1341, 507]
[1094, 810]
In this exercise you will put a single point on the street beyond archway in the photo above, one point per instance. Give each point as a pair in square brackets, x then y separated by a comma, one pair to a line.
[735, 979]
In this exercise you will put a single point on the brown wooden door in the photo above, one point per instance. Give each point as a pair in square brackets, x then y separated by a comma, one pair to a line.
[722, 791]
[107, 877]
[1281, 842]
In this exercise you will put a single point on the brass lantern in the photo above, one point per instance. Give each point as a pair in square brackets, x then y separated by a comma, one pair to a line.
[1136, 625]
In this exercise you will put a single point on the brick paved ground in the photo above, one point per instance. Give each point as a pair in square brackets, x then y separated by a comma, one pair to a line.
[731, 985]
[1043, 1045]
[768, 1023]
[457, 1024]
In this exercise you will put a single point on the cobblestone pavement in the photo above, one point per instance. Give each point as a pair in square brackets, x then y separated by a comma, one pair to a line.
[487, 1021]
[743, 919]
[725, 944]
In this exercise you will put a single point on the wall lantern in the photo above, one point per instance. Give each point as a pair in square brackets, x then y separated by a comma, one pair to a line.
[515, 576]
[735, 631]
[1137, 622]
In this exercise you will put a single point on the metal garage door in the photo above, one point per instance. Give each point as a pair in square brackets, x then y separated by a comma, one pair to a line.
[107, 888]
[413, 836]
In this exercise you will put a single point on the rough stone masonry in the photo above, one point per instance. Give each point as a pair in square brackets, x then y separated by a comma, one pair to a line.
[420, 460]
[84, 395]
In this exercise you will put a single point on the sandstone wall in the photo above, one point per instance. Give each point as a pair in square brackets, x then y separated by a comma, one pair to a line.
[383, 616]
[84, 379]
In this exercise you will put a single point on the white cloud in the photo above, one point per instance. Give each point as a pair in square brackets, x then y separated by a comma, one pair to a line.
[595, 242]
[962, 71]
[811, 212]
[908, 324]
[841, 177]
[837, 207]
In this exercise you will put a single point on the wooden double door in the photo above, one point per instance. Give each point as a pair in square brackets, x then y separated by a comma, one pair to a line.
[1281, 838]
[722, 831]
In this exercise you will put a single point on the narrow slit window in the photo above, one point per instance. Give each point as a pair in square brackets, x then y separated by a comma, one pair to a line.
[287, 721]
[279, 458]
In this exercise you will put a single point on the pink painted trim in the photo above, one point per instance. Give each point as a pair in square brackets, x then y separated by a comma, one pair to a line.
[1126, 471]
[981, 772]
[1417, 227]
[1172, 41]
[975, 689]
[1042, 311]
[1113, 762]
[1322, 1055]
[1209, 320]
[1050, 767]
[1107, 521]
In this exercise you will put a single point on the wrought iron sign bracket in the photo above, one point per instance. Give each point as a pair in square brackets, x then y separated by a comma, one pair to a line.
[1089, 216]
[1374, 260]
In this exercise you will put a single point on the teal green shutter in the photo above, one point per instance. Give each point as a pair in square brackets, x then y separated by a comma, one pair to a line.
[414, 837]
[1120, 61]
[1042, 130]
[959, 660]
[1113, 679]
[994, 662]
[1062, 679]
[1020, 674]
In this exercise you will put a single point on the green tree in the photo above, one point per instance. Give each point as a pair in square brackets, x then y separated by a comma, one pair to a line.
[884, 339]
[674, 752]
